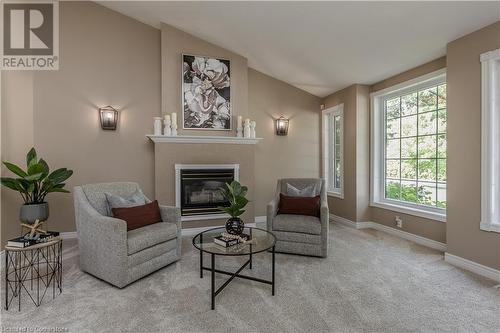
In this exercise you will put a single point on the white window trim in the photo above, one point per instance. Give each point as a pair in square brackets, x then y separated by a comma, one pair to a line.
[490, 141]
[377, 197]
[337, 110]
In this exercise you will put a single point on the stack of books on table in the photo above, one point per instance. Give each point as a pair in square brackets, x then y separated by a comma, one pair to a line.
[23, 242]
[230, 240]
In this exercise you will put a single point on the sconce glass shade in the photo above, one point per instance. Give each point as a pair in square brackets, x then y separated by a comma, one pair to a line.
[109, 117]
[282, 126]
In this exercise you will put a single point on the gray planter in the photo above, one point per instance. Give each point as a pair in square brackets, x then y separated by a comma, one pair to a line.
[31, 213]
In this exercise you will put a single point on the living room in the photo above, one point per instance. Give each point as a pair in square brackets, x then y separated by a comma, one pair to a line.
[314, 135]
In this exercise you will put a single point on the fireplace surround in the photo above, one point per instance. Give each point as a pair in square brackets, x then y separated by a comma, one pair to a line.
[197, 189]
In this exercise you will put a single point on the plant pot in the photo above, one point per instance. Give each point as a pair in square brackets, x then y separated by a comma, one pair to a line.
[234, 226]
[32, 212]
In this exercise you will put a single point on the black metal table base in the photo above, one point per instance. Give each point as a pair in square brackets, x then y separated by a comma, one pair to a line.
[233, 275]
[34, 271]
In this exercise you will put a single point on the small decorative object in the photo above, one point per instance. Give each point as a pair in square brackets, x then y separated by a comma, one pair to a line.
[225, 239]
[157, 126]
[282, 125]
[239, 127]
[174, 124]
[253, 123]
[35, 229]
[34, 184]
[246, 128]
[109, 117]
[167, 123]
[235, 194]
[206, 93]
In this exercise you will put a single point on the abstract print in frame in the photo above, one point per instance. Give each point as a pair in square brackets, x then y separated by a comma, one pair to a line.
[206, 93]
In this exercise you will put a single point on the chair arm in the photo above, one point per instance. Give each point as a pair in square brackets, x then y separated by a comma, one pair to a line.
[172, 215]
[99, 229]
[102, 242]
[272, 211]
[325, 226]
[324, 214]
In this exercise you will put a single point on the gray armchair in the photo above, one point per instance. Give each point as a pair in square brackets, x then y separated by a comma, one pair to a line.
[112, 254]
[298, 234]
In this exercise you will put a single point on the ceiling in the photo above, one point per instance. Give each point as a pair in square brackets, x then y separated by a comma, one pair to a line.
[322, 47]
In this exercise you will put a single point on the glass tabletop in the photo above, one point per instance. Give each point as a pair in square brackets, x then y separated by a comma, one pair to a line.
[260, 240]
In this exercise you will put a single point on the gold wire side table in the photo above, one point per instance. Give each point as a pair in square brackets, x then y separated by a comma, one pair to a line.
[33, 271]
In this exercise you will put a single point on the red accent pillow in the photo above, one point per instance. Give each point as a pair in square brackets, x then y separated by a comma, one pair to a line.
[299, 205]
[138, 216]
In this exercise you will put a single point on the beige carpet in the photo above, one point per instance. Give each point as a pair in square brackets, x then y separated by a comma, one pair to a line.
[371, 282]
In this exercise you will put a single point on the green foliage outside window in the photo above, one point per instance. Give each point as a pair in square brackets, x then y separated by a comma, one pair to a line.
[416, 147]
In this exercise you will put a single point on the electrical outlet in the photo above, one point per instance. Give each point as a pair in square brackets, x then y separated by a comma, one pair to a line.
[399, 222]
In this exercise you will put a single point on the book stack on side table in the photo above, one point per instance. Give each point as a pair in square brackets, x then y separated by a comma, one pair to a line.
[22, 242]
[228, 240]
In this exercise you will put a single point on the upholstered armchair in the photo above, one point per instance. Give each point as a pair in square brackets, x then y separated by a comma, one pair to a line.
[300, 234]
[108, 251]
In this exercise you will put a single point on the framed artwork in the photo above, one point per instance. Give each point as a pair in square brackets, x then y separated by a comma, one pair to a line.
[206, 93]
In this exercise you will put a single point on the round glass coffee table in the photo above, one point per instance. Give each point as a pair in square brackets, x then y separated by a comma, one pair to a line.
[260, 241]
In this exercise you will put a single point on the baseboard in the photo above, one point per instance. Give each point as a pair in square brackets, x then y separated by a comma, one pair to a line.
[395, 232]
[472, 266]
[260, 219]
[68, 235]
[344, 221]
[411, 237]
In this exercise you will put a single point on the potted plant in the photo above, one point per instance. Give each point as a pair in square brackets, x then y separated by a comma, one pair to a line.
[234, 193]
[34, 184]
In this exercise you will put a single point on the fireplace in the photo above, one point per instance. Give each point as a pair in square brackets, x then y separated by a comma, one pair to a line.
[197, 189]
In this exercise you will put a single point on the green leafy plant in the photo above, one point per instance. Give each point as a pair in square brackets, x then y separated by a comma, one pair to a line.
[36, 182]
[234, 193]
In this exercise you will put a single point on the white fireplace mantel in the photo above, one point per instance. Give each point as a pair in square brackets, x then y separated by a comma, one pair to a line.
[202, 139]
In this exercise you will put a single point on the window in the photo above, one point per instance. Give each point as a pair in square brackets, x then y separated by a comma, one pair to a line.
[409, 147]
[333, 150]
[490, 143]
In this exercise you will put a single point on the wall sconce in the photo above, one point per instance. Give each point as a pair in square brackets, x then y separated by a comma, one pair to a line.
[109, 117]
[282, 125]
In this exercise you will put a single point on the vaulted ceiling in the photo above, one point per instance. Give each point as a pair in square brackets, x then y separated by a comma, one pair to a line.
[322, 47]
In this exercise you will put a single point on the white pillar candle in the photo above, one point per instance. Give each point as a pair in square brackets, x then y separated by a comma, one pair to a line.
[167, 119]
[157, 126]
[240, 122]
[174, 118]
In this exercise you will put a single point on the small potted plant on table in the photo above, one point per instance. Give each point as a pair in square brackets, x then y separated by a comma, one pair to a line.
[33, 185]
[234, 193]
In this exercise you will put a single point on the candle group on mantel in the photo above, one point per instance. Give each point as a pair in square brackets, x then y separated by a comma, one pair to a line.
[169, 125]
[245, 129]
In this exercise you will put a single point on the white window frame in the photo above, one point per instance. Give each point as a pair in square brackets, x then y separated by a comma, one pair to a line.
[377, 195]
[490, 141]
[337, 110]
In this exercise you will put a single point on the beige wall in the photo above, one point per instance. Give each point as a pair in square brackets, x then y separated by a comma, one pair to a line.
[174, 43]
[294, 155]
[106, 58]
[362, 153]
[464, 237]
[428, 67]
[354, 205]
[346, 207]
[17, 139]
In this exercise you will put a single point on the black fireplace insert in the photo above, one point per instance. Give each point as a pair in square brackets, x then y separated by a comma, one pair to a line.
[200, 190]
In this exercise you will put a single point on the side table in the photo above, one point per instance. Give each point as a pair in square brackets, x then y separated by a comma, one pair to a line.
[35, 270]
